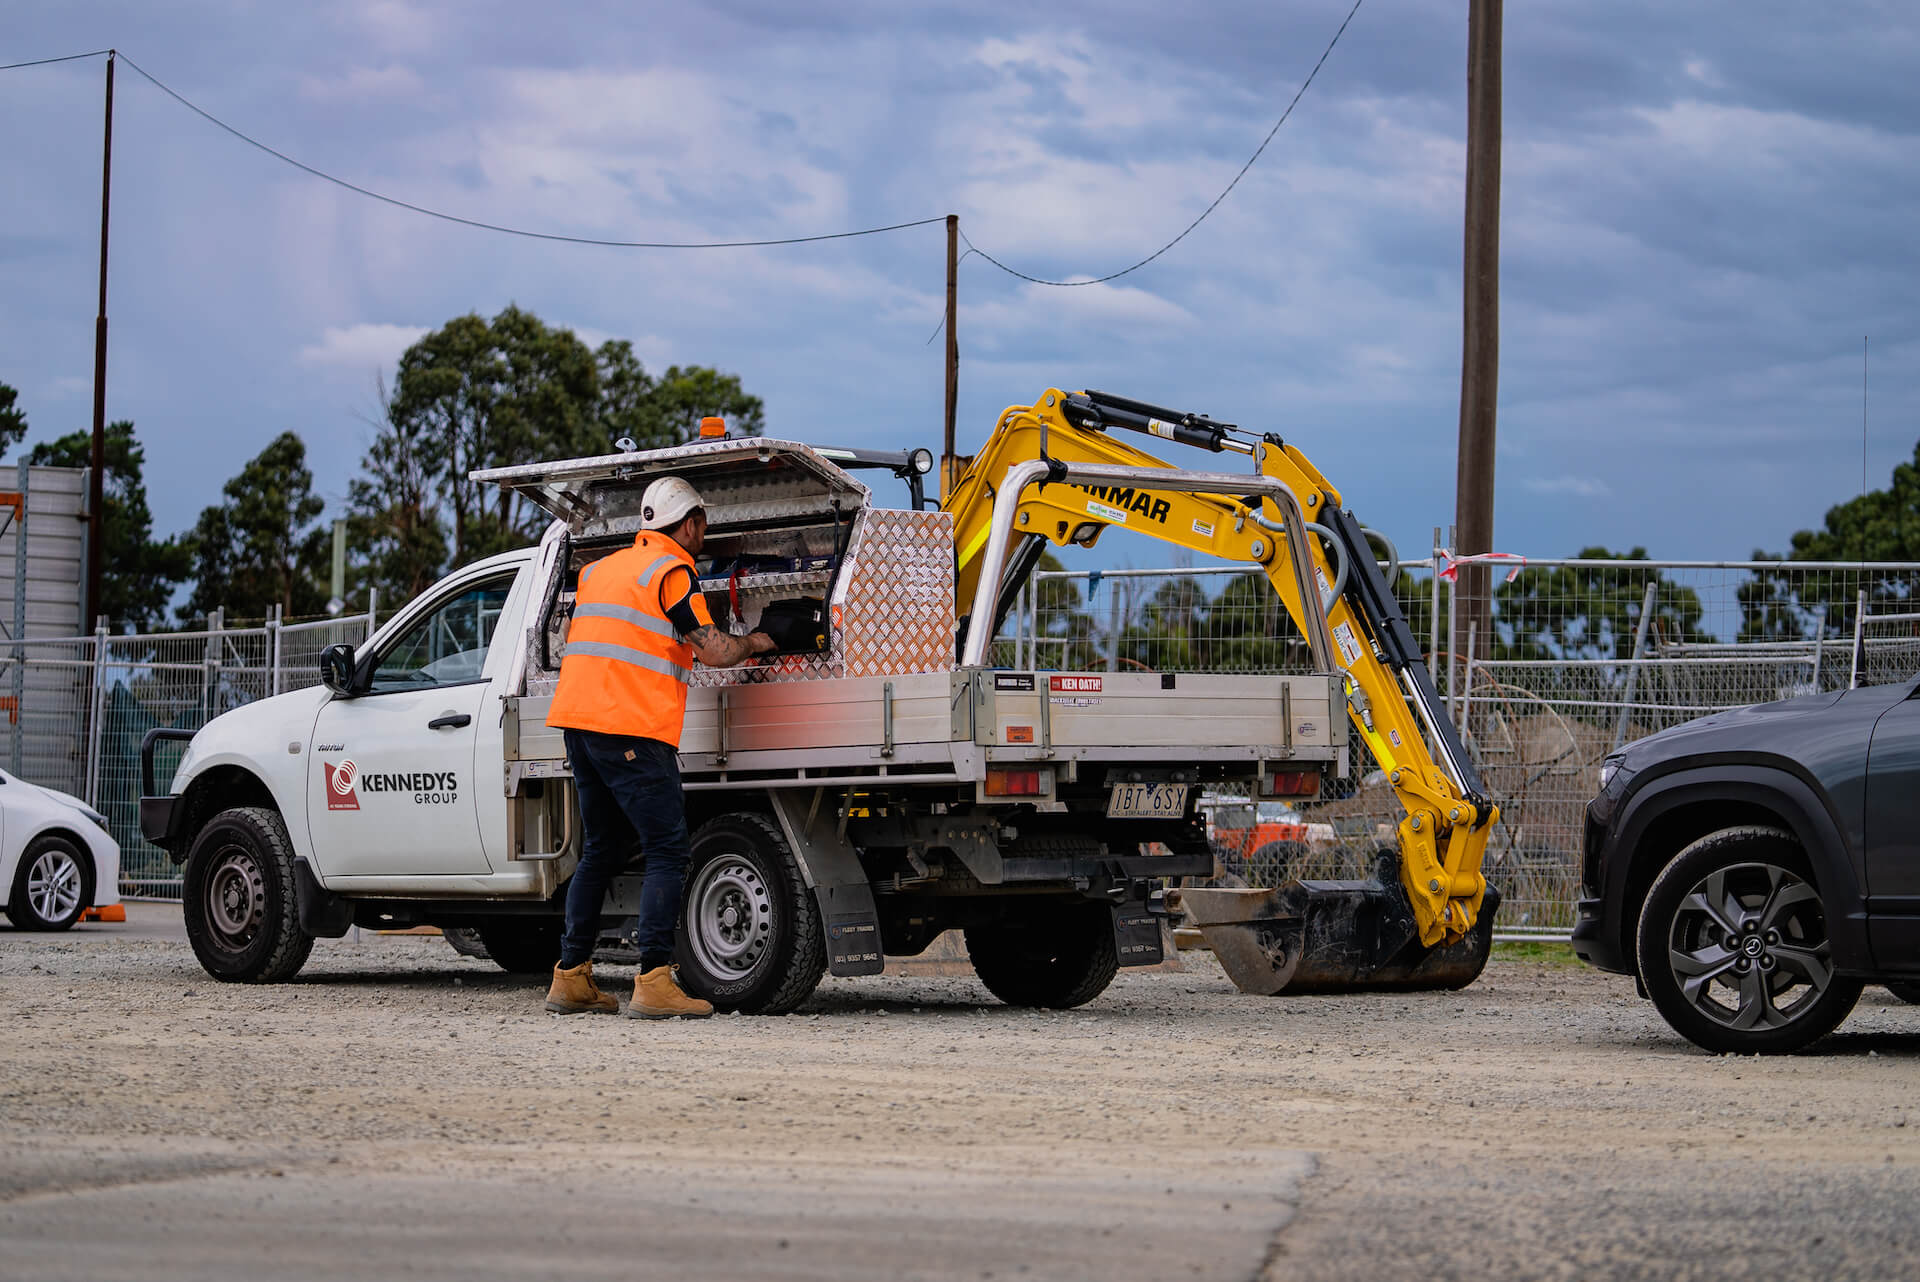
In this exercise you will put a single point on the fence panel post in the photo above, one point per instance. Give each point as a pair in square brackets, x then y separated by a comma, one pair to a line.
[97, 739]
[273, 651]
[1633, 668]
[1433, 641]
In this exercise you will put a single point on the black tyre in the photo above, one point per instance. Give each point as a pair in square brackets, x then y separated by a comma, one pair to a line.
[522, 945]
[1734, 949]
[1052, 953]
[53, 886]
[238, 899]
[750, 937]
[465, 940]
[1906, 990]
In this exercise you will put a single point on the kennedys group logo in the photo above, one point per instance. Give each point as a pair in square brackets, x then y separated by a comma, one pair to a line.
[340, 792]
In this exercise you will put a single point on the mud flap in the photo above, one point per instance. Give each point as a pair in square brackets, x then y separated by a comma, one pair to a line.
[852, 926]
[1332, 937]
[1136, 934]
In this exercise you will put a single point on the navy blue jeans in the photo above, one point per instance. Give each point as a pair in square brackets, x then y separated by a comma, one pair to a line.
[629, 790]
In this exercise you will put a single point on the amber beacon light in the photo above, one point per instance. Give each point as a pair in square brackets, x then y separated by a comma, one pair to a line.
[711, 428]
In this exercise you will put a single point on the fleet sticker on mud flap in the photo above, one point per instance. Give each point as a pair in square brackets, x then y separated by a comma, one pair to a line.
[1348, 643]
[1101, 510]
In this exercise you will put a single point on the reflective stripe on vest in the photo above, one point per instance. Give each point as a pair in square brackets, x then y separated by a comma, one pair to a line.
[626, 669]
[627, 654]
[638, 618]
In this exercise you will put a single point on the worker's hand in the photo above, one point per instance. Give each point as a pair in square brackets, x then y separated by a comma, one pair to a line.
[761, 643]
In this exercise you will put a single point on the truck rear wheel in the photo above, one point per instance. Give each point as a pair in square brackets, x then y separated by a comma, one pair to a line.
[522, 945]
[1057, 955]
[750, 937]
[238, 899]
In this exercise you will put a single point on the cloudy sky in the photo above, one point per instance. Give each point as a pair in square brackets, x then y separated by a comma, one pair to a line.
[1706, 208]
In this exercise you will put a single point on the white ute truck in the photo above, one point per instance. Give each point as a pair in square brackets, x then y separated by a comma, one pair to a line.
[844, 804]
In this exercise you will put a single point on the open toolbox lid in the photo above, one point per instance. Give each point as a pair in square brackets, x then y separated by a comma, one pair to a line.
[743, 480]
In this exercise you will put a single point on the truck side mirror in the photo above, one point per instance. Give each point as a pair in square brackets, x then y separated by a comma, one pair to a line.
[336, 669]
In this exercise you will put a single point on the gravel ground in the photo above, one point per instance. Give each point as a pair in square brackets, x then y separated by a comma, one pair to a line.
[403, 1109]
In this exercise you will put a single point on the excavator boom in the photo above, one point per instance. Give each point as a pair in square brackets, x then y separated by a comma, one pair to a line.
[1058, 473]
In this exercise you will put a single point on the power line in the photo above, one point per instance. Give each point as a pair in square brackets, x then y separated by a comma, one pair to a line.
[496, 227]
[208, 116]
[42, 62]
[1068, 284]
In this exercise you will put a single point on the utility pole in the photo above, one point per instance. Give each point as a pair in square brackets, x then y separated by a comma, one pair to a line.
[1480, 329]
[95, 488]
[949, 464]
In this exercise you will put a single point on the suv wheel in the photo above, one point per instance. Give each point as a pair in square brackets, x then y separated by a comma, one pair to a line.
[1733, 946]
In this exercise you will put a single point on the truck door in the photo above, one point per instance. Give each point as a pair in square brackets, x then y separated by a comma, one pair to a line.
[391, 789]
[1893, 834]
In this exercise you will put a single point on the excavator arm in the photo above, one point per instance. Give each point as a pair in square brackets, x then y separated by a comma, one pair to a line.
[1338, 597]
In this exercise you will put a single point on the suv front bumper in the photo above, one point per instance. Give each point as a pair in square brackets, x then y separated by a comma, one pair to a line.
[1592, 942]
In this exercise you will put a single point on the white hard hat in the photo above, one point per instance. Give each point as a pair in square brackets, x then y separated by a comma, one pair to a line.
[667, 502]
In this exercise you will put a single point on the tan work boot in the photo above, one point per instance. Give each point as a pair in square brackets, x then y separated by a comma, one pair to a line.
[573, 993]
[657, 995]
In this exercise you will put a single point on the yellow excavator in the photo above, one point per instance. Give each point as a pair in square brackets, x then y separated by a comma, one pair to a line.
[1057, 473]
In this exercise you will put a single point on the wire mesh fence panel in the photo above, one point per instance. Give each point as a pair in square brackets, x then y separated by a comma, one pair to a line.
[173, 680]
[298, 660]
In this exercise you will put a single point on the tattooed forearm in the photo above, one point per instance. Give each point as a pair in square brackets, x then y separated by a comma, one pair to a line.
[719, 649]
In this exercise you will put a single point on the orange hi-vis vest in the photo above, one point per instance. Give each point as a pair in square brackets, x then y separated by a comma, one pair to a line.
[625, 671]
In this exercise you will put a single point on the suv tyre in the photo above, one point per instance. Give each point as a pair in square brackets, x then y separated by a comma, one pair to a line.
[1734, 949]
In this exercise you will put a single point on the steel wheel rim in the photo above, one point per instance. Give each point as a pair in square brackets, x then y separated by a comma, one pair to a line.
[53, 885]
[730, 923]
[1748, 947]
[235, 897]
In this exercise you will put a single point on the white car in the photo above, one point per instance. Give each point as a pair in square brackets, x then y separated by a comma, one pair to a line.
[56, 857]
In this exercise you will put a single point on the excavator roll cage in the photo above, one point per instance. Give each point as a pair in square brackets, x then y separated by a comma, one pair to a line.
[1056, 472]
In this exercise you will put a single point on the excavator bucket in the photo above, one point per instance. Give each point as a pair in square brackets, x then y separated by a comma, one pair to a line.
[1331, 937]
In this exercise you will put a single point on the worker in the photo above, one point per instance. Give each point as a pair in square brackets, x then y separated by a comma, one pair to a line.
[639, 620]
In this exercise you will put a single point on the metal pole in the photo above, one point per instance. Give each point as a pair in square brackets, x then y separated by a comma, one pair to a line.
[1453, 626]
[1859, 640]
[1480, 328]
[1466, 691]
[949, 464]
[373, 612]
[1633, 669]
[1433, 644]
[98, 736]
[20, 621]
[95, 492]
[273, 651]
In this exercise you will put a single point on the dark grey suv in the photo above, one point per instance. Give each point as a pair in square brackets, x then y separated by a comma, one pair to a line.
[1754, 869]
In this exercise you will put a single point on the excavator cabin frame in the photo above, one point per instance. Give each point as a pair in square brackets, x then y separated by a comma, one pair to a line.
[1056, 472]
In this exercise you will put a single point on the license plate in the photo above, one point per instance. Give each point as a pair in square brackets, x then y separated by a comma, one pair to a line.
[1147, 801]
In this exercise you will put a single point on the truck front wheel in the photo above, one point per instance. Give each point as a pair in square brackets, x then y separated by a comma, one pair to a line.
[1058, 955]
[238, 901]
[750, 937]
